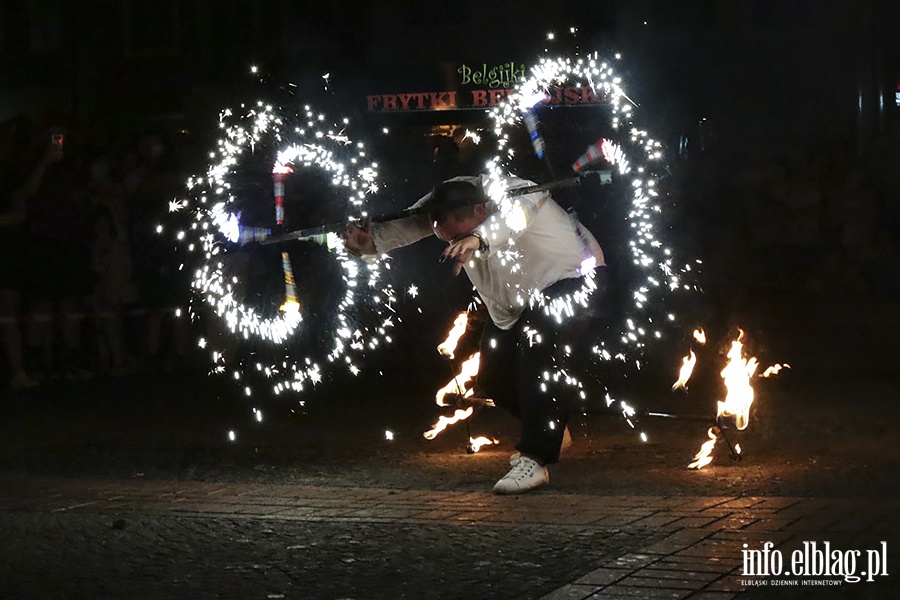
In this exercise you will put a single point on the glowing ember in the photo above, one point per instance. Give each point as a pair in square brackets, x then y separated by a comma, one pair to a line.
[687, 367]
[475, 444]
[448, 346]
[704, 457]
[700, 336]
[457, 385]
[443, 422]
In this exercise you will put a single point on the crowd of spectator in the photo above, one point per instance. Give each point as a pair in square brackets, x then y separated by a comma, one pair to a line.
[81, 260]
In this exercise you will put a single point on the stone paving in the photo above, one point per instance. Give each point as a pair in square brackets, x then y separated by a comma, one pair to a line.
[696, 552]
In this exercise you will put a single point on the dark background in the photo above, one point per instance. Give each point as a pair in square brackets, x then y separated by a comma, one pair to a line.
[760, 104]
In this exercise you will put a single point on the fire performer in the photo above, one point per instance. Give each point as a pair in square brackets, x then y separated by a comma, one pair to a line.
[519, 263]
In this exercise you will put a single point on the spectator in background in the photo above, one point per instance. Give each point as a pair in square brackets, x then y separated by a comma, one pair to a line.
[112, 290]
[20, 177]
[58, 266]
[154, 179]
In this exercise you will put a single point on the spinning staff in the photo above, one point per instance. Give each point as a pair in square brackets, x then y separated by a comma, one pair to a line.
[290, 303]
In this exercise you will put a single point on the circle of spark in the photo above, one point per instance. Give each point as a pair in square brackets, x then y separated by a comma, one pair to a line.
[634, 157]
[305, 141]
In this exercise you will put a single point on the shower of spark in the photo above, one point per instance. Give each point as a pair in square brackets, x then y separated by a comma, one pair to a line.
[304, 140]
[637, 159]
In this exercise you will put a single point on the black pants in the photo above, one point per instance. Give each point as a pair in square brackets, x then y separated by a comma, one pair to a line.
[517, 369]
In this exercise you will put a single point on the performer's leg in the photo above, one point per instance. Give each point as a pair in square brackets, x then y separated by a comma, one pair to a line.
[543, 402]
[497, 370]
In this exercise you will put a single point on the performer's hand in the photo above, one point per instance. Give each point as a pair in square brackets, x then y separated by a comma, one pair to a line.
[461, 250]
[358, 240]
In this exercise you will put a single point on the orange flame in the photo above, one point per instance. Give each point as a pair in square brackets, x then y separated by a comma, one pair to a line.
[737, 373]
[443, 422]
[467, 371]
[704, 456]
[687, 367]
[448, 346]
[476, 443]
[700, 336]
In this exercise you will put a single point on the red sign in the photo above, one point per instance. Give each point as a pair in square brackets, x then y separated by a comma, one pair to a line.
[475, 99]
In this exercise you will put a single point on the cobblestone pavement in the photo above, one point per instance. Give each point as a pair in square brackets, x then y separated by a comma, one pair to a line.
[130, 488]
[80, 538]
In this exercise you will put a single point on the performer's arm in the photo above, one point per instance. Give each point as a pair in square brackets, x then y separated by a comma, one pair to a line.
[373, 239]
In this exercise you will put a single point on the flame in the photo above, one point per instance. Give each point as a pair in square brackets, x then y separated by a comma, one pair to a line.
[467, 371]
[290, 304]
[774, 369]
[476, 443]
[737, 373]
[443, 422]
[448, 346]
[282, 170]
[704, 456]
[700, 336]
[687, 367]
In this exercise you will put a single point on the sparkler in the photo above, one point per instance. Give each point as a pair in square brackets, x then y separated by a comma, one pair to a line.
[361, 319]
[635, 157]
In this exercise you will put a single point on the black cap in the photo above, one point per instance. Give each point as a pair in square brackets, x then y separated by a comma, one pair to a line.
[454, 194]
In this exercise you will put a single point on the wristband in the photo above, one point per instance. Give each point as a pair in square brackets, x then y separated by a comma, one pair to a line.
[482, 245]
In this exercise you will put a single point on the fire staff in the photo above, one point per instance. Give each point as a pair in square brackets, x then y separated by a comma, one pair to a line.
[512, 257]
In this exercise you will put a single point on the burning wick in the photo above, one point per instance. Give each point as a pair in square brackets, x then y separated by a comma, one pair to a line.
[475, 444]
[735, 409]
[687, 367]
[774, 369]
[457, 385]
[443, 421]
[704, 456]
[448, 346]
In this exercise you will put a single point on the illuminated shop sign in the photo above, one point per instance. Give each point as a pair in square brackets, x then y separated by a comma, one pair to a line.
[481, 86]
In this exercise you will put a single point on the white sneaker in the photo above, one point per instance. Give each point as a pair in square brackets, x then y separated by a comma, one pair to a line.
[525, 475]
[564, 447]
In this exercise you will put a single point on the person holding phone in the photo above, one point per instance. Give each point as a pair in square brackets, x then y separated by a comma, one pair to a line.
[20, 178]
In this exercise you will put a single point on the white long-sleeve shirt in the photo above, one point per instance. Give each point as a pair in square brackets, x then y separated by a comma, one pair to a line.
[531, 248]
